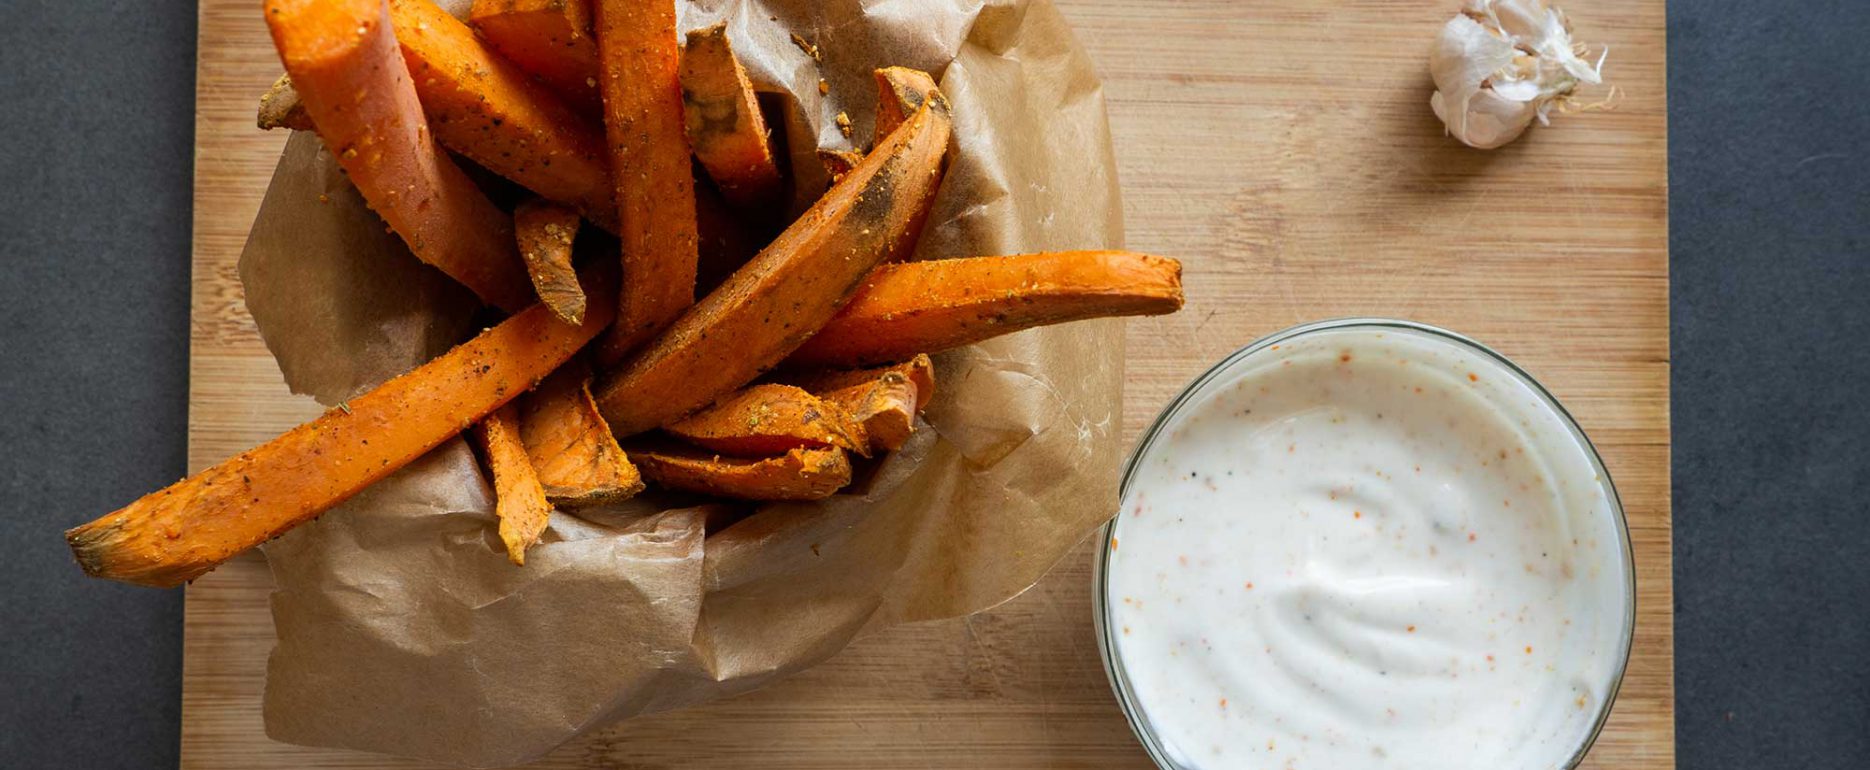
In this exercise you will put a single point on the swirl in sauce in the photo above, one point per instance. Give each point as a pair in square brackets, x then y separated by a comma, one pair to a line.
[1368, 548]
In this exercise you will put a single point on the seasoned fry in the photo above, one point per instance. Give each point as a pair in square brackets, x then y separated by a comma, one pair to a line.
[919, 371]
[549, 38]
[907, 308]
[545, 231]
[884, 401]
[900, 92]
[181, 532]
[770, 306]
[724, 123]
[769, 419]
[886, 408]
[486, 108]
[838, 162]
[578, 461]
[801, 474]
[280, 107]
[349, 73]
[650, 170]
[519, 501]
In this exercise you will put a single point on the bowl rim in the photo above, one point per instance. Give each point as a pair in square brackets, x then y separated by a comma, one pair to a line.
[1100, 604]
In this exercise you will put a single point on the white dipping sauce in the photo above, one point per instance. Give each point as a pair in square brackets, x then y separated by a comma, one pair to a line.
[1368, 547]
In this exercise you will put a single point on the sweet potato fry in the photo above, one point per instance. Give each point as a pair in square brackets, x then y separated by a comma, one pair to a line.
[837, 163]
[280, 107]
[907, 308]
[545, 231]
[801, 474]
[885, 408]
[770, 306]
[549, 38]
[724, 123]
[900, 92]
[181, 532]
[769, 419]
[918, 371]
[640, 80]
[349, 72]
[884, 401]
[519, 501]
[486, 108]
[578, 461]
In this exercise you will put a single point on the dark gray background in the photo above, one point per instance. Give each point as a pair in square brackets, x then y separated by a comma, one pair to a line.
[1770, 211]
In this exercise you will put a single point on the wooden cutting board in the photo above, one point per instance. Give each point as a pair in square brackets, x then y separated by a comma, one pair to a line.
[1285, 150]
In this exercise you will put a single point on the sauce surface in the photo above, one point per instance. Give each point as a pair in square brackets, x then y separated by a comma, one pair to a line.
[1368, 548]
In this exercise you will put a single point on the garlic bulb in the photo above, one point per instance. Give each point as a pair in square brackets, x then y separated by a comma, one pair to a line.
[1502, 63]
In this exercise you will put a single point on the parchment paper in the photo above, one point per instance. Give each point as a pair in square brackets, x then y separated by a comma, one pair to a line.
[403, 629]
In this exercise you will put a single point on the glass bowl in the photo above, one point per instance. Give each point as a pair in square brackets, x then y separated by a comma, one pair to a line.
[1101, 606]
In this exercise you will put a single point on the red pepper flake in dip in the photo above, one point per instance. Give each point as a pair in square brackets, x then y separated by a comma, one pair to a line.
[1342, 545]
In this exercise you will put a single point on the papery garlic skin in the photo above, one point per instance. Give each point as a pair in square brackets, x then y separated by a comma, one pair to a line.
[1502, 63]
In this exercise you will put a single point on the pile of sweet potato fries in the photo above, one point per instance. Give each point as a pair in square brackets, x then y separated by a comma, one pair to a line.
[797, 356]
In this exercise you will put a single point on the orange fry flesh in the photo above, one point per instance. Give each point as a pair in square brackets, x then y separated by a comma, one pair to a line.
[349, 73]
[900, 92]
[545, 232]
[916, 307]
[771, 305]
[651, 174]
[179, 533]
[724, 123]
[884, 400]
[801, 474]
[519, 501]
[488, 109]
[769, 419]
[549, 38]
[572, 450]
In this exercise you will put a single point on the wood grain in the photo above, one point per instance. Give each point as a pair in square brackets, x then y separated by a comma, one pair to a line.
[1285, 150]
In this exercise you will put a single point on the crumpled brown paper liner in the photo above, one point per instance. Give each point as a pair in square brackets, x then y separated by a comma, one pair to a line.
[404, 630]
